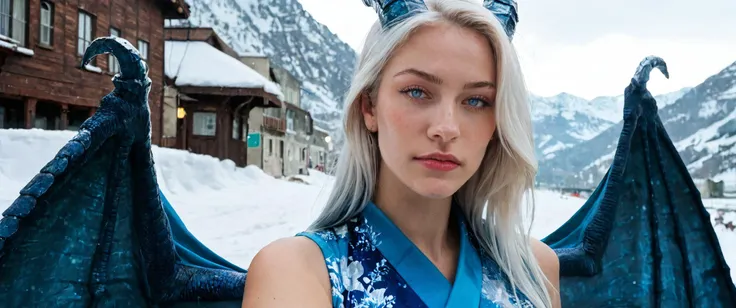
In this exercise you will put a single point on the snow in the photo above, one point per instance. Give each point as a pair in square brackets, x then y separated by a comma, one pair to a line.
[237, 211]
[92, 68]
[199, 64]
[729, 94]
[7, 45]
[252, 54]
[25, 51]
[709, 109]
[321, 130]
[8, 39]
[13, 45]
[704, 138]
[556, 147]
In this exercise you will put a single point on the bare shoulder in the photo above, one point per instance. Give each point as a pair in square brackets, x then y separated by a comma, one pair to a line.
[289, 272]
[550, 264]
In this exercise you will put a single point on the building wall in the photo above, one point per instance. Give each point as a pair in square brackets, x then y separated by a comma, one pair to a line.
[272, 158]
[171, 102]
[290, 86]
[319, 149]
[262, 65]
[296, 155]
[257, 156]
[317, 156]
[255, 123]
[53, 73]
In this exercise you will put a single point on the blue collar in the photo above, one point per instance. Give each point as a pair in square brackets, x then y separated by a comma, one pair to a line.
[419, 272]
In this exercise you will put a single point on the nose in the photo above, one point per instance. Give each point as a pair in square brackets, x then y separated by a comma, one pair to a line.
[444, 125]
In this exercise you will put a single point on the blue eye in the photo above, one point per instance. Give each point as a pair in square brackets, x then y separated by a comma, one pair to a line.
[477, 102]
[416, 93]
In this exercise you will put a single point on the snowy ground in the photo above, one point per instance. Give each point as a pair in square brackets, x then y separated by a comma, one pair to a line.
[237, 211]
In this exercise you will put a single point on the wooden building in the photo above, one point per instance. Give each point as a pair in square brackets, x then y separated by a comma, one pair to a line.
[210, 94]
[43, 85]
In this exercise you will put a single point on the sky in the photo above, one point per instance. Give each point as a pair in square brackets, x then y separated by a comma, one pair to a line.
[592, 48]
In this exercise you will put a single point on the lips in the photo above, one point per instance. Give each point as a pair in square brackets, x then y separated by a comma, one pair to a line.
[439, 161]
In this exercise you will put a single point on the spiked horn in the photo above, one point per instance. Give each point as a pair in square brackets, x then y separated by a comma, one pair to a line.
[391, 12]
[131, 63]
[641, 77]
[507, 13]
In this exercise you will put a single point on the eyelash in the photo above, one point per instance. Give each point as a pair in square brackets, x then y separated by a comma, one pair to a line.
[407, 90]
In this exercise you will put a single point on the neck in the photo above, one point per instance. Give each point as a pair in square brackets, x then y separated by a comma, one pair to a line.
[425, 221]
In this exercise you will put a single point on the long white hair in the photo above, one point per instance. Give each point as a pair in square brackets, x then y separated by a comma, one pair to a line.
[506, 174]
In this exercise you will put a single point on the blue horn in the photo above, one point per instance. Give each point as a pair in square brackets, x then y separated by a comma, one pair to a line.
[391, 12]
[507, 13]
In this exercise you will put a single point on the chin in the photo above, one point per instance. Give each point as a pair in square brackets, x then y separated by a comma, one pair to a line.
[433, 188]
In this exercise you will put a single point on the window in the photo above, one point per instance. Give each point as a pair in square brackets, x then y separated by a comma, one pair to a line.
[143, 49]
[113, 64]
[270, 147]
[13, 21]
[273, 112]
[236, 128]
[204, 124]
[85, 31]
[46, 35]
[290, 120]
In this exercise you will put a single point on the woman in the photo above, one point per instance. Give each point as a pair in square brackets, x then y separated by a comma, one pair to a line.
[437, 126]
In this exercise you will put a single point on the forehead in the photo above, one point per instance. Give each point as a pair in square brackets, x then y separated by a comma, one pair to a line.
[446, 49]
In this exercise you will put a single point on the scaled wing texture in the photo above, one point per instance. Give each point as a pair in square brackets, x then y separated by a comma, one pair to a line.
[92, 228]
[643, 238]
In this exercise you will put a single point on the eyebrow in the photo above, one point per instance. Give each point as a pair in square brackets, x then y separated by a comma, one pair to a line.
[437, 80]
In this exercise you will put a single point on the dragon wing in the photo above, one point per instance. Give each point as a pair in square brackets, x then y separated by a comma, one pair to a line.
[93, 229]
[643, 238]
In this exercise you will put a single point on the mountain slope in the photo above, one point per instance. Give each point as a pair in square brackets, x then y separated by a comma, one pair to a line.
[564, 120]
[292, 39]
[702, 124]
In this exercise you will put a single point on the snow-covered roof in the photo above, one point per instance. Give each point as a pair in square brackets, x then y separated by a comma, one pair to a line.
[199, 64]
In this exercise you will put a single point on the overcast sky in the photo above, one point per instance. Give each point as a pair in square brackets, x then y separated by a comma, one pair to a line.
[591, 48]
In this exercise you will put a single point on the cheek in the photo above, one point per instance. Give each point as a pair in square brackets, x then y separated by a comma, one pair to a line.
[480, 126]
[479, 131]
[395, 120]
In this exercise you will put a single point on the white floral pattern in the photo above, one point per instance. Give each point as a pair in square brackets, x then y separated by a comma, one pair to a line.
[361, 277]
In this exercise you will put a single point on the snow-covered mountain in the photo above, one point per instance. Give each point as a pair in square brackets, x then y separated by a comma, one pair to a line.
[572, 133]
[564, 120]
[701, 123]
[292, 39]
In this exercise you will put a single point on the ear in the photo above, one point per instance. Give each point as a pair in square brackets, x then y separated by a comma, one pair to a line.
[369, 112]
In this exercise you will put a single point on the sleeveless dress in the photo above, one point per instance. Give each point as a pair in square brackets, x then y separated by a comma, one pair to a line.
[371, 263]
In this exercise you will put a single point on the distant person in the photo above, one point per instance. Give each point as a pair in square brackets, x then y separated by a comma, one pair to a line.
[438, 125]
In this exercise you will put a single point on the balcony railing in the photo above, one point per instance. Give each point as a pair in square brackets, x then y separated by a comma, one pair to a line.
[274, 123]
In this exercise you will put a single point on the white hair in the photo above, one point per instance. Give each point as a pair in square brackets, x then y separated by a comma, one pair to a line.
[506, 173]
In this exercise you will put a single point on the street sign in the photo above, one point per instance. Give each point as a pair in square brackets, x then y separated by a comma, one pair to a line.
[254, 140]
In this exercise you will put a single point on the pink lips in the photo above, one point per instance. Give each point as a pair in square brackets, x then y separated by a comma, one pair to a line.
[439, 161]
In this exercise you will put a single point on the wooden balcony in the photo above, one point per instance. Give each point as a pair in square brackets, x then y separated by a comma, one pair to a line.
[275, 124]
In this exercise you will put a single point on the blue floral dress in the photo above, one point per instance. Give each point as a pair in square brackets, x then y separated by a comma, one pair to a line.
[371, 263]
